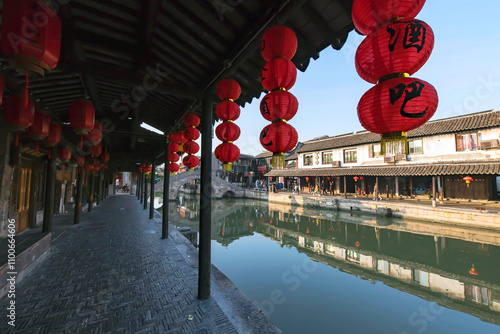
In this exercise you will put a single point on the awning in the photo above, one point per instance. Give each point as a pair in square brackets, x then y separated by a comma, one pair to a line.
[482, 168]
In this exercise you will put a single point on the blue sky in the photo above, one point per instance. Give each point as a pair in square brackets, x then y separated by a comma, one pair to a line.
[463, 68]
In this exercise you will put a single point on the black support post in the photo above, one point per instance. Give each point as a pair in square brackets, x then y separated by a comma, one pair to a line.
[204, 267]
[434, 201]
[91, 190]
[145, 191]
[50, 190]
[152, 192]
[166, 192]
[99, 187]
[345, 186]
[141, 193]
[78, 199]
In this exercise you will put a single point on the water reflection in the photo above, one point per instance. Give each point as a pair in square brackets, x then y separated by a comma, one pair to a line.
[455, 267]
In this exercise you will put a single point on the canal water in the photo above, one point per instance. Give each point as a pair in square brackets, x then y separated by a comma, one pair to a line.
[322, 271]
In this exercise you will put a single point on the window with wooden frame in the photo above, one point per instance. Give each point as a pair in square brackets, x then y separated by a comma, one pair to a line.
[466, 142]
[308, 160]
[415, 146]
[327, 158]
[350, 156]
[374, 151]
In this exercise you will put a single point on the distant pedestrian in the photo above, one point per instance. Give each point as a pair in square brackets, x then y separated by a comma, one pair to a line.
[117, 185]
[296, 191]
[323, 187]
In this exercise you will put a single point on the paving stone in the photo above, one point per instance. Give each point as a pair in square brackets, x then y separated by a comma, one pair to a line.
[111, 274]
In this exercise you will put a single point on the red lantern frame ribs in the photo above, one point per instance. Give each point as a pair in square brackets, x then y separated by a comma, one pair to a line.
[278, 46]
[228, 111]
[397, 46]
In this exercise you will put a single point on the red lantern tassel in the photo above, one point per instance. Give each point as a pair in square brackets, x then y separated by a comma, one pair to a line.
[26, 92]
[36, 147]
[16, 140]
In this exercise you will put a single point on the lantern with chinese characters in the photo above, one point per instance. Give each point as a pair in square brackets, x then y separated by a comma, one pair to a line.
[40, 128]
[228, 132]
[54, 137]
[18, 115]
[191, 133]
[467, 180]
[278, 46]
[82, 117]
[31, 37]
[397, 46]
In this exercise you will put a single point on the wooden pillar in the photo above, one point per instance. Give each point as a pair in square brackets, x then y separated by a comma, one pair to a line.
[411, 186]
[35, 174]
[441, 189]
[91, 190]
[397, 186]
[99, 186]
[375, 189]
[204, 268]
[345, 186]
[78, 198]
[114, 183]
[434, 191]
[50, 189]
[152, 192]
[166, 192]
[145, 192]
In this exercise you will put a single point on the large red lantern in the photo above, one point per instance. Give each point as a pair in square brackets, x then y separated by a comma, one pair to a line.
[31, 37]
[17, 114]
[191, 120]
[395, 106]
[173, 157]
[397, 47]
[96, 151]
[227, 153]
[279, 137]
[191, 147]
[79, 160]
[190, 161]
[41, 126]
[278, 73]
[64, 155]
[227, 110]
[94, 137]
[369, 15]
[54, 136]
[173, 168]
[279, 105]
[228, 131]
[82, 116]
[105, 156]
[173, 147]
[278, 41]
[191, 134]
[228, 89]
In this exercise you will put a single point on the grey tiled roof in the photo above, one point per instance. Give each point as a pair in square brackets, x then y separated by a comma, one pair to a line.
[482, 168]
[477, 121]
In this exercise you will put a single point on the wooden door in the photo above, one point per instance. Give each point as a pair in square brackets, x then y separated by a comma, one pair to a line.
[20, 197]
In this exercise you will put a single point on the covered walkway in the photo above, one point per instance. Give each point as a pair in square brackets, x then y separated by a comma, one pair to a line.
[114, 274]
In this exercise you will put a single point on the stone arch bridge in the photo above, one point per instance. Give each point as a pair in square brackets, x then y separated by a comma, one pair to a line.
[220, 187]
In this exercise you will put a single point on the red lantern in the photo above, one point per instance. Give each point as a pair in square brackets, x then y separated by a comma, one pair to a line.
[279, 138]
[54, 136]
[468, 179]
[279, 105]
[96, 151]
[79, 160]
[17, 114]
[173, 148]
[358, 244]
[94, 137]
[368, 15]
[41, 126]
[228, 110]
[228, 89]
[191, 120]
[278, 41]
[105, 157]
[278, 73]
[89, 167]
[395, 106]
[398, 47]
[64, 154]
[190, 161]
[191, 134]
[173, 168]
[178, 138]
[307, 178]
[228, 131]
[191, 147]
[356, 179]
[173, 157]
[82, 116]
[227, 153]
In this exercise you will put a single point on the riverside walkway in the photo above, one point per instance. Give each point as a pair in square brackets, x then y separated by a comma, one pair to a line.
[114, 274]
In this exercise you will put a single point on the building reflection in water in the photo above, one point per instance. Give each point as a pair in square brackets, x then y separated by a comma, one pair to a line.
[454, 267]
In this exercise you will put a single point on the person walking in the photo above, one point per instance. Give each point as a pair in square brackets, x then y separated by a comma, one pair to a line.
[117, 184]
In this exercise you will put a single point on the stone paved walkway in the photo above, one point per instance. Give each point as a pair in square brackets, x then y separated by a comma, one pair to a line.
[113, 274]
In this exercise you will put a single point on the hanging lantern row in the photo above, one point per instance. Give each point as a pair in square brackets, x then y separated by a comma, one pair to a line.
[397, 45]
[278, 46]
[191, 133]
[228, 111]
[177, 141]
